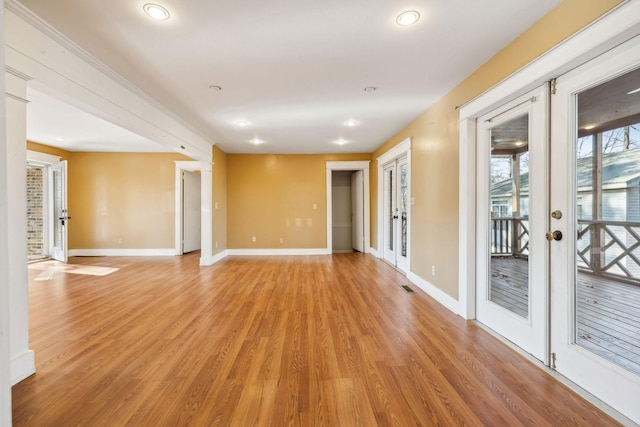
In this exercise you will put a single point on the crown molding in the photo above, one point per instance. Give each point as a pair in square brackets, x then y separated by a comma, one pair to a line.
[41, 25]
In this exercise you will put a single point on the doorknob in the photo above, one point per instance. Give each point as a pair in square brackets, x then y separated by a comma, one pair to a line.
[554, 235]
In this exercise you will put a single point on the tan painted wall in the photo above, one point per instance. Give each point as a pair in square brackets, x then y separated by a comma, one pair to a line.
[434, 176]
[272, 197]
[219, 200]
[128, 196]
[34, 146]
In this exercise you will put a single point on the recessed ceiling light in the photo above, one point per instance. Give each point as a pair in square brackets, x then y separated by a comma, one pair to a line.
[588, 127]
[341, 141]
[519, 143]
[370, 89]
[156, 11]
[351, 123]
[407, 18]
[215, 88]
[257, 141]
[59, 139]
[241, 123]
[633, 91]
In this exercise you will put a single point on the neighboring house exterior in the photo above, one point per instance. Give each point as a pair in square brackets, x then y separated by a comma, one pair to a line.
[620, 204]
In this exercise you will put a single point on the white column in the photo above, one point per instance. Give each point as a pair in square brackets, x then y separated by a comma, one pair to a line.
[22, 359]
[5, 353]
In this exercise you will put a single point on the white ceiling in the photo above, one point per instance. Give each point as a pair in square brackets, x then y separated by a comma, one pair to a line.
[294, 70]
[58, 124]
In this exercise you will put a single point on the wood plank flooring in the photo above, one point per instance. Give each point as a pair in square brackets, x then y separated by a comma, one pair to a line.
[608, 310]
[270, 341]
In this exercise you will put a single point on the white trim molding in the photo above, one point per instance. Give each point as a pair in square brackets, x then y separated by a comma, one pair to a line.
[22, 366]
[205, 262]
[364, 166]
[41, 158]
[270, 252]
[434, 292]
[122, 252]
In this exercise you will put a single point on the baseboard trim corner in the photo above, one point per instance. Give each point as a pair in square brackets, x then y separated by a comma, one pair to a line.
[434, 292]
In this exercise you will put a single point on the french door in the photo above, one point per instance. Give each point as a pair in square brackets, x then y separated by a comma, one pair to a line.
[59, 234]
[511, 267]
[396, 213]
[595, 267]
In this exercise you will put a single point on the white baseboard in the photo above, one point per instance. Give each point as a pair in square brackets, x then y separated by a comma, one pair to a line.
[213, 259]
[122, 252]
[302, 251]
[434, 292]
[22, 366]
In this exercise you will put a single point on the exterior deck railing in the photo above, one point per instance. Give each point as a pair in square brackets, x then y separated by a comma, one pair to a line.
[609, 248]
[604, 248]
[510, 236]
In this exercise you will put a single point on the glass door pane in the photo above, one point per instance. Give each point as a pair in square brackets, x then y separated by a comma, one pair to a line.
[404, 206]
[607, 206]
[509, 219]
[58, 208]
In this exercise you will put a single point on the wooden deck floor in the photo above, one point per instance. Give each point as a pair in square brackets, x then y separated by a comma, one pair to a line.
[269, 341]
[608, 311]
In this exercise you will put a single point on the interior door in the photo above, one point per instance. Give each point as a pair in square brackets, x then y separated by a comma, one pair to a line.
[595, 267]
[191, 211]
[511, 270]
[357, 210]
[60, 217]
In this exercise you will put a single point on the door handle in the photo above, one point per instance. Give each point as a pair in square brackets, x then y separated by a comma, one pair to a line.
[554, 235]
[395, 217]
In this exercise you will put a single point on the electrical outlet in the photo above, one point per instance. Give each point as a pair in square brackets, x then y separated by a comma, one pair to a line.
[253, 239]
[433, 270]
[216, 243]
[315, 206]
[119, 240]
[282, 240]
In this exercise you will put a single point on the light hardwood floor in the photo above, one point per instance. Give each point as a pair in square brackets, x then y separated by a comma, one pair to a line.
[270, 341]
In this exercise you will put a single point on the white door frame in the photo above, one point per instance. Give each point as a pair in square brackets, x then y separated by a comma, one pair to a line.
[206, 213]
[362, 165]
[401, 150]
[614, 28]
[45, 161]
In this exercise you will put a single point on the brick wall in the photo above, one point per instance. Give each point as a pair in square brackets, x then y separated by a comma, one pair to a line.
[35, 211]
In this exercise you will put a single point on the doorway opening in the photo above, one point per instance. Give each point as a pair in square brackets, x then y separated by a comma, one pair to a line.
[347, 194]
[348, 225]
[394, 206]
[44, 231]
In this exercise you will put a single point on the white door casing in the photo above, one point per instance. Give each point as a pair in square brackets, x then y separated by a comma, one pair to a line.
[357, 211]
[206, 208]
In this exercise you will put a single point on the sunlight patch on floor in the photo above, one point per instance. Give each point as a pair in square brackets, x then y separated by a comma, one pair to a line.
[50, 268]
